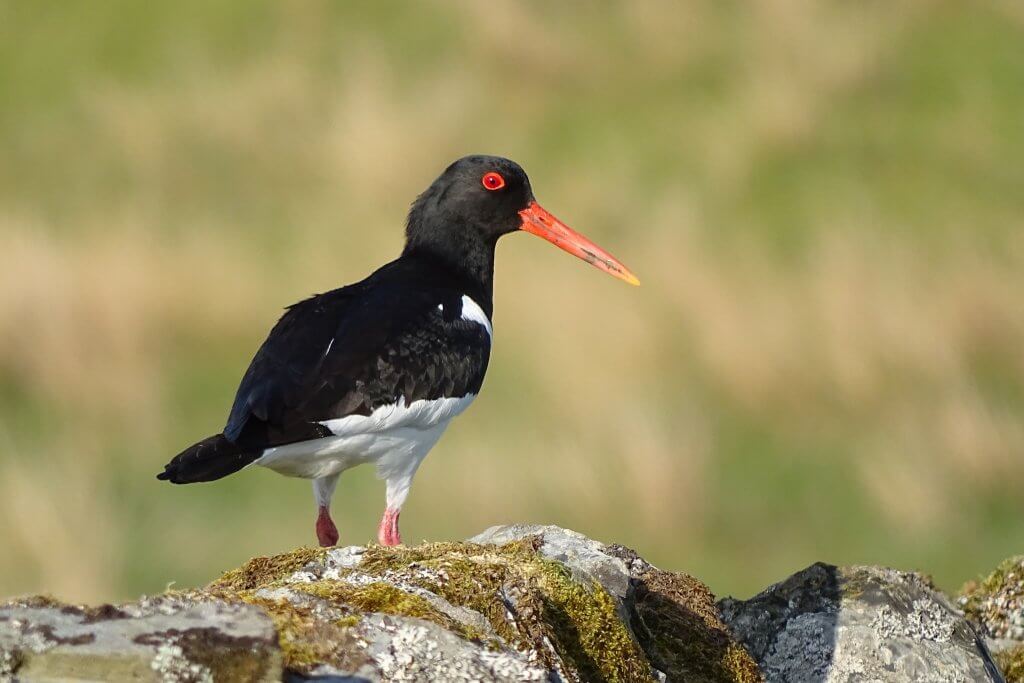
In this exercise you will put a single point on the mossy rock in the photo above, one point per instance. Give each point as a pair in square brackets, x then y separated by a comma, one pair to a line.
[1011, 662]
[535, 603]
[262, 571]
[162, 639]
[527, 601]
[518, 603]
[832, 624]
[995, 603]
[502, 596]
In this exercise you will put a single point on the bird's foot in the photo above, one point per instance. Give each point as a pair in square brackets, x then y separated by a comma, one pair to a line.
[326, 532]
[387, 532]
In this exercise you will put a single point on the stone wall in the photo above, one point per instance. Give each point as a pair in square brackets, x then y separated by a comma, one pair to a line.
[516, 603]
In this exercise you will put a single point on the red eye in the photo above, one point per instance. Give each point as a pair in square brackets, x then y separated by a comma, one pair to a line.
[493, 181]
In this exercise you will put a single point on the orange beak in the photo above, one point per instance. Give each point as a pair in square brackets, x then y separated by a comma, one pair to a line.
[538, 221]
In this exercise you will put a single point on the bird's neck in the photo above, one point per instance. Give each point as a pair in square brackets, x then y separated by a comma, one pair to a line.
[462, 253]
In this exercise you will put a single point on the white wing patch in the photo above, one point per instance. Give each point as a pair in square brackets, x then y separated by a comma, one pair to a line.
[471, 311]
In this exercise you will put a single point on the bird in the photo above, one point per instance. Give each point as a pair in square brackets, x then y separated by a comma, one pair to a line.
[373, 372]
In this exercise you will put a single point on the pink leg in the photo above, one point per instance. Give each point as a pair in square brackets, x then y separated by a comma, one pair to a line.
[326, 532]
[387, 532]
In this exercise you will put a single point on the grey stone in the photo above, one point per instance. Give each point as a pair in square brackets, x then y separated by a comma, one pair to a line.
[197, 642]
[832, 624]
[409, 649]
[995, 605]
[672, 616]
[520, 603]
[391, 647]
[586, 558]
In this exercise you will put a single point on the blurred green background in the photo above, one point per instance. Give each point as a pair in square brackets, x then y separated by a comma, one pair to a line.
[824, 201]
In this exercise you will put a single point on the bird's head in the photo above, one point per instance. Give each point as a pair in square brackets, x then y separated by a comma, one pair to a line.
[480, 198]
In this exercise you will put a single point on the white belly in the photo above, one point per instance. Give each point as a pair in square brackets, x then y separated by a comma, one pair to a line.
[396, 437]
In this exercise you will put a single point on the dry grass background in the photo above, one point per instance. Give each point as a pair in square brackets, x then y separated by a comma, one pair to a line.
[824, 201]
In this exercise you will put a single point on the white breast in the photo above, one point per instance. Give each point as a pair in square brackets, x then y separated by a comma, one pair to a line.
[422, 414]
[395, 436]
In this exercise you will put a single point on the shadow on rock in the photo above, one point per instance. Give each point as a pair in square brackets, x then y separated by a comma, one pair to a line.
[830, 624]
[677, 623]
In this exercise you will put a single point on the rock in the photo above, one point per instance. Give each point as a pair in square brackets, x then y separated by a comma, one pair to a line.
[515, 604]
[672, 616]
[521, 603]
[159, 641]
[829, 623]
[995, 605]
[587, 559]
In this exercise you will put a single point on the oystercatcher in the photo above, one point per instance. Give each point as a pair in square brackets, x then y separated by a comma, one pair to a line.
[375, 371]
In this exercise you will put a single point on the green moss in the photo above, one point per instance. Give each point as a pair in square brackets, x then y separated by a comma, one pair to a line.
[580, 621]
[739, 666]
[680, 630]
[990, 604]
[587, 629]
[468, 575]
[372, 597]
[1012, 664]
[1006, 583]
[262, 571]
[530, 602]
[996, 582]
[378, 597]
[306, 639]
[229, 658]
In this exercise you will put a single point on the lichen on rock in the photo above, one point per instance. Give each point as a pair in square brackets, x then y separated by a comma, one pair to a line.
[526, 601]
[516, 603]
[995, 605]
[10, 660]
[171, 664]
[1011, 662]
[521, 603]
[171, 639]
[830, 623]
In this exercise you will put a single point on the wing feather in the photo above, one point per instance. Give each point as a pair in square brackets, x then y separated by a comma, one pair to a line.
[349, 350]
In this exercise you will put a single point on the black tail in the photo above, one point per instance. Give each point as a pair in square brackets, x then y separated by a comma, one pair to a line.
[212, 458]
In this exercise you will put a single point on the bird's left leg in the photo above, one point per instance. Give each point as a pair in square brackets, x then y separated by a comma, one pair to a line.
[397, 470]
[397, 491]
[323, 489]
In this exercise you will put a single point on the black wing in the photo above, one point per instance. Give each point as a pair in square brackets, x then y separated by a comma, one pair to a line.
[351, 350]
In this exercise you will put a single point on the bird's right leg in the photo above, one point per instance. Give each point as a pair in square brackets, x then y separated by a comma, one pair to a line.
[323, 489]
